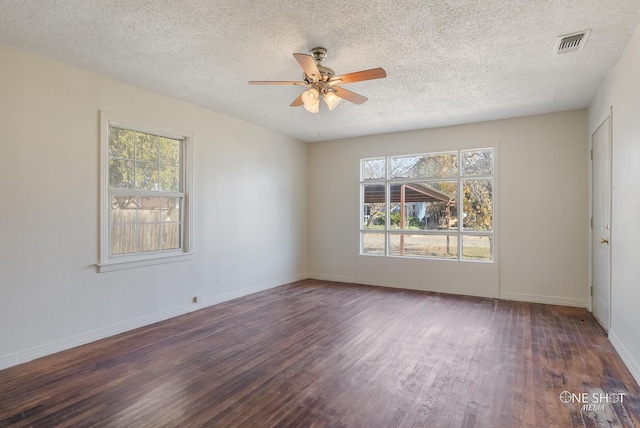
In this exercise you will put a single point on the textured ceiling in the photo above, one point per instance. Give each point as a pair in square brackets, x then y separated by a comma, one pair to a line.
[448, 62]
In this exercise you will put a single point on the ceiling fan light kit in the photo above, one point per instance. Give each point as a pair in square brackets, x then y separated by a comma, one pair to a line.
[311, 100]
[331, 100]
[321, 81]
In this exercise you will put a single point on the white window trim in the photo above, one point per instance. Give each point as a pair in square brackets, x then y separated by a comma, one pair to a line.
[459, 234]
[109, 263]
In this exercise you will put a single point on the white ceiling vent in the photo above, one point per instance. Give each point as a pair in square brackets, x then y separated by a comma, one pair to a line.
[571, 42]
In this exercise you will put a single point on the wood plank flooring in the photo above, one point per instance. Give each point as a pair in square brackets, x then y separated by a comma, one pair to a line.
[321, 354]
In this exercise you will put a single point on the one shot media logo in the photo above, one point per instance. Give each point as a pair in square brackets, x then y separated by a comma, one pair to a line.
[593, 400]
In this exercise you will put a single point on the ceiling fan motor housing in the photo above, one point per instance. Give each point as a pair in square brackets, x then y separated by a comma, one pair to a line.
[318, 54]
[326, 73]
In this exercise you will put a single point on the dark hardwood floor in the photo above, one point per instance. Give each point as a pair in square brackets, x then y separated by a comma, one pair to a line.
[320, 354]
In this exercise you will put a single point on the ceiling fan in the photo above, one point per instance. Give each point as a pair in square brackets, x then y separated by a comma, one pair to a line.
[322, 82]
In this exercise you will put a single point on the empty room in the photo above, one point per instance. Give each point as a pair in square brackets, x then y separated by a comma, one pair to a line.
[330, 214]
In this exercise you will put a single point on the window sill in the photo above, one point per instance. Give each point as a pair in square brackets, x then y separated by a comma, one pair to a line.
[441, 259]
[132, 263]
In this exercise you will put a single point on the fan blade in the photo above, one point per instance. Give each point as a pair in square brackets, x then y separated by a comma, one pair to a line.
[276, 82]
[297, 102]
[359, 76]
[349, 96]
[309, 66]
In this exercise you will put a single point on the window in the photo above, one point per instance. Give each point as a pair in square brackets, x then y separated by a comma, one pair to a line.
[144, 195]
[431, 205]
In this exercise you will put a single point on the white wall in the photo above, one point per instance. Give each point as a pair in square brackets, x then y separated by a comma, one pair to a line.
[250, 210]
[621, 90]
[264, 205]
[541, 211]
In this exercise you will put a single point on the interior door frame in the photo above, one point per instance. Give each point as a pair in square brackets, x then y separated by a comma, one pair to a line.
[591, 191]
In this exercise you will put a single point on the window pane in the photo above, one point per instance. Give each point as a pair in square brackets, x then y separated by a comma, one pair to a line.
[121, 174]
[373, 169]
[146, 176]
[440, 165]
[121, 143]
[169, 178]
[171, 209]
[428, 206]
[171, 236]
[149, 237]
[373, 243]
[149, 210]
[373, 210]
[146, 147]
[123, 238]
[477, 247]
[432, 246]
[477, 204]
[169, 151]
[477, 162]
[124, 209]
[156, 220]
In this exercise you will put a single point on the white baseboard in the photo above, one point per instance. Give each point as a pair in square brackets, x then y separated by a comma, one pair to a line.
[92, 336]
[548, 300]
[10, 360]
[631, 364]
[250, 290]
[336, 278]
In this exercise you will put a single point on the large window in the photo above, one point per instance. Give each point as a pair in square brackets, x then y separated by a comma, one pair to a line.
[431, 205]
[144, 195]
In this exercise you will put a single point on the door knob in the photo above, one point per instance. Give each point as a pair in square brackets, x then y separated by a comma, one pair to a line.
[604, 241]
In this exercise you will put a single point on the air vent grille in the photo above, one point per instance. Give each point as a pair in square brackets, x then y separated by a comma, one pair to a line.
[571, 42]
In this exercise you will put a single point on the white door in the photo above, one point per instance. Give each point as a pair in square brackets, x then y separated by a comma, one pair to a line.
[601, 232]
